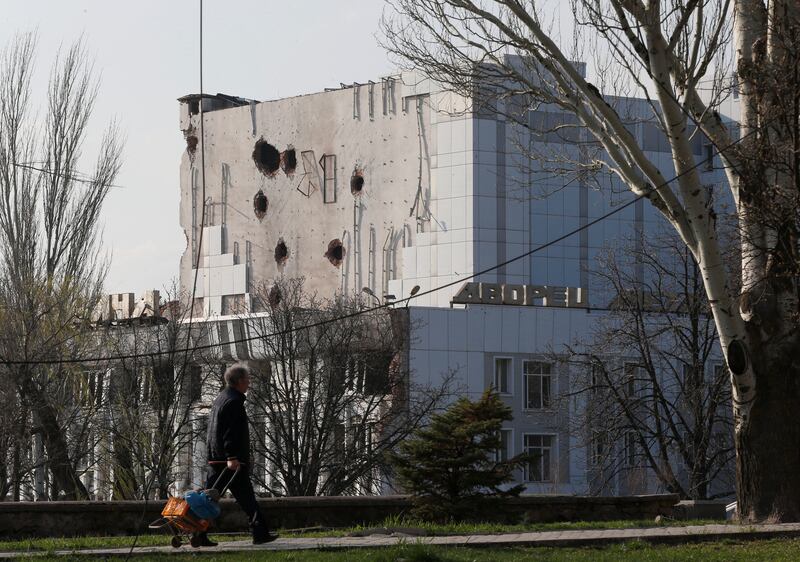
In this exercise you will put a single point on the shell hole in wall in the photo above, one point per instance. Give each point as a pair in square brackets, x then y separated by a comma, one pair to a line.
[191, 144]
[266, 157]
[190, 136]
[289, 161]
[335, 253]
[275, 296]
[357, 182]
[281, 252]
[260, 204]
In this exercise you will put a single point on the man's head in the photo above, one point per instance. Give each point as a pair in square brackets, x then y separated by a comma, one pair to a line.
[238, 377]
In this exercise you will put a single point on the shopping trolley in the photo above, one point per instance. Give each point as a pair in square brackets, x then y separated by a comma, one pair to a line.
[178, 518]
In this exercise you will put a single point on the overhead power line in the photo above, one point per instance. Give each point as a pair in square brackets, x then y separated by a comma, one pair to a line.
[366, 310]
[75, 176]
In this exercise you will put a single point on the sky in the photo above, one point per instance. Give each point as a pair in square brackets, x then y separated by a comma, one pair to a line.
[146, 54]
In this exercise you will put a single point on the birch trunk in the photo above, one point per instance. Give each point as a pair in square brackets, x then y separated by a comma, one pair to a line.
[768, 446]
[768, 440]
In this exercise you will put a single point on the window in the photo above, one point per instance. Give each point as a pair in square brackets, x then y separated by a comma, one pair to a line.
[504, 452]
[595, 379]
[708, 151]
[328, 163]
[310, 182]
[629, 379]
[91, 388]
[355, 376]
[232, 304]
[356, 101]
[536, 376]
[195, 383]
[697, 140]
[387, 94]
[502, 370]
[148, 385]
[371, 92]
[539, 447]
[598, 447]
[376, 374]
[629, 449]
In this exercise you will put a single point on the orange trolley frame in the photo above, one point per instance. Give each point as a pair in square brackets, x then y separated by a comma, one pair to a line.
[177, 517]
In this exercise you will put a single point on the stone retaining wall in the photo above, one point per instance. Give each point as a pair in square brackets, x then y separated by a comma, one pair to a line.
[47, 519]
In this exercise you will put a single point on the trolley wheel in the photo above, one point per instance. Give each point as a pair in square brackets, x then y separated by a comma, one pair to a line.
[176, 542]
[195, 541]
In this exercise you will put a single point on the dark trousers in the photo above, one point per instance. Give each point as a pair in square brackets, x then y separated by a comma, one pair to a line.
[242, 490]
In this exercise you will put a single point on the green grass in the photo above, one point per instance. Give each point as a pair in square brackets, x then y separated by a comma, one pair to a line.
[778, 550]
[78, 543]
[430, 529]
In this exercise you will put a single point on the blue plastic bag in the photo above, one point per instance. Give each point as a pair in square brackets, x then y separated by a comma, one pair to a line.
[201, 505]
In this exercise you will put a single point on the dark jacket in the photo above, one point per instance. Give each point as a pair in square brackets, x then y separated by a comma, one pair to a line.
[228, 432]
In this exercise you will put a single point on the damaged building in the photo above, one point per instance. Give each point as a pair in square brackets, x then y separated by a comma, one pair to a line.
[395, 186]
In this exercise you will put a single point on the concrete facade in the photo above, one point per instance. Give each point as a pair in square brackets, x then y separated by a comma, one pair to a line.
[310, 206]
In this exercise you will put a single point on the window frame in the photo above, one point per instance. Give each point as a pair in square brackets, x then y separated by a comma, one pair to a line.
[552, 451]
[328, 164]
[594, 380]
[509, 442]
[629, 446]
[544, 404]
[599, 446]
[509, 376]
[194, 375]
[708, 156]
[629, 378]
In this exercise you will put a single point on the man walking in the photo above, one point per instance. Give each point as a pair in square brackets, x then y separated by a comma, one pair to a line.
[228, 445]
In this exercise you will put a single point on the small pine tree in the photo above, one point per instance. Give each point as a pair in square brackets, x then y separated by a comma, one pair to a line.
[449, 466]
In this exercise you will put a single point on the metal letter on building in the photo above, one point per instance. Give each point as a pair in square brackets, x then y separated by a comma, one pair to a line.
[556, 296]
[534, 293]
[576, 297]
[491, 293]
[469, 293]
[514, 295]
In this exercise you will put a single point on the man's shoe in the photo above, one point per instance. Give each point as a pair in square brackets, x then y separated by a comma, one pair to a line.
[201, 539]
[263, 538]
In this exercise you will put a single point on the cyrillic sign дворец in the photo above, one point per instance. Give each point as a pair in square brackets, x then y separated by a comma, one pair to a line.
[520, 295]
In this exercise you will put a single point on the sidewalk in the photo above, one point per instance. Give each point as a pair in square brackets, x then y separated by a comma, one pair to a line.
[662, 535]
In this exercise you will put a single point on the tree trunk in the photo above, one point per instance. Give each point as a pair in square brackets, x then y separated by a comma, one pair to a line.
[125, 485]
[58, 462]
[768, 447]
[16, 470]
